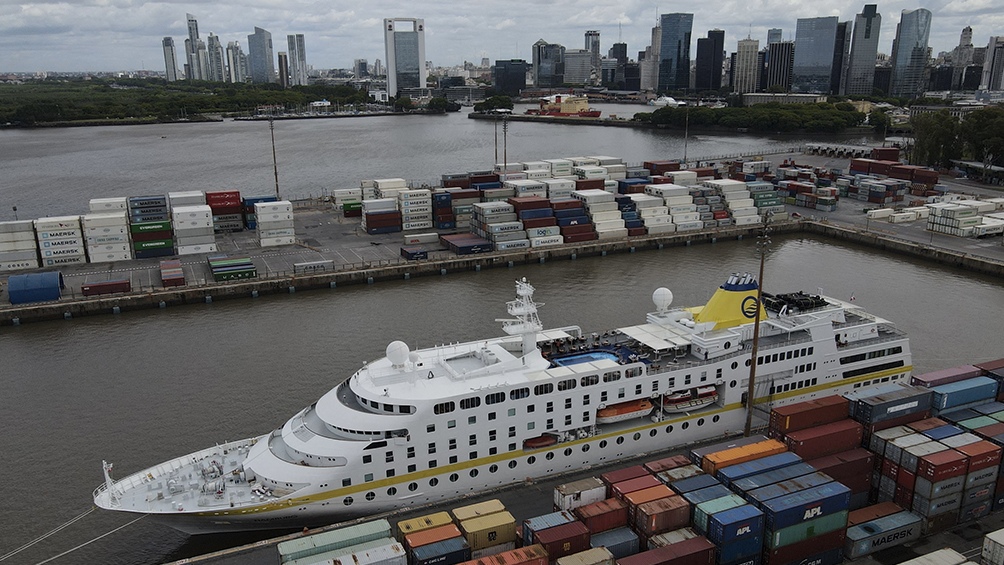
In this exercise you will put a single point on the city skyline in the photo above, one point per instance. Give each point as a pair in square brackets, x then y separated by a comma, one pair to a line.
[120, 36]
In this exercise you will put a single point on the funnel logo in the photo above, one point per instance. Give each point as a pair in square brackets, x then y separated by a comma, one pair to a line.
[749, 307]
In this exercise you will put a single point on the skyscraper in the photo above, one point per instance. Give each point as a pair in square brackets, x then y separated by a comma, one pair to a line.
[674, 51]
[815, 39]
[360, 68]
[745, 74]
[618, 51]
[962, 57]
[909, 53]
[780, 61]
[774, 35]
[283, 70]
[864, 49]
[841, 56]
[260, 56]
[993, 65]
[648, 66]
[237, 63]
[297, 59]
[216, 60]
[170, 59]
[509, 77]
[548, 64]
[404, 40]
[578, 65]
[593, 46]
[193, 67]
[710, 51]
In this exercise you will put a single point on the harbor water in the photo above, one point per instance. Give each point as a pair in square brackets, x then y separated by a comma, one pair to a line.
[142, 387]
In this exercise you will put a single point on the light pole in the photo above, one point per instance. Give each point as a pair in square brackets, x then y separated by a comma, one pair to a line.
[275, 165]
[763, 242]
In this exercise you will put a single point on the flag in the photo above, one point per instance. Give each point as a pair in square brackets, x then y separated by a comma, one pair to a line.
[852, 297]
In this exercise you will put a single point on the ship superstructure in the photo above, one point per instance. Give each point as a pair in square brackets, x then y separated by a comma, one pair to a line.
[422, 426]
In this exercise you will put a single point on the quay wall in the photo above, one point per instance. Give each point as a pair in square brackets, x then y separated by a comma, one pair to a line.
[162, 298]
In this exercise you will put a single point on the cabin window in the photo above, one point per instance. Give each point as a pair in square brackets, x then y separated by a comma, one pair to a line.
[568, 404]
[453, 444]
[473, 439]
[511, 412]
[453, 459]
[637, 389]
[451, 424]
[519, 393]
[585, 416]
[567, 384]
[493, 451]
[432, 465]
[550, 423]
[512, 431]
[367, 458]
[495, 398]
[443, 408]
[473, 455]
[603, 396]
[568, 419]
[389, 456]
[686, 379]
[474, 472]
[390, 473]
[621, 393]
[491, 416]
[388, 407]
[585, 400]
[611, 377]
[470, 403]
[432, 448]
[491, 435]
[542, 389]
[454, 477]
[429, 428]
[368, 477]
[346, 482]
[530, 425]
[370, 495]
[471, 420]
[549, 407]
[512, 447]
[589, 380]
[655, 386]
[413, 486]
[347, 501]
[512, 464]
[530, 408]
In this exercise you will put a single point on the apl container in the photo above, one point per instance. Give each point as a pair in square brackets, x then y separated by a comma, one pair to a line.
[881, 533]
[621, 542]
[693, 483]
[735, 524]
[704, 510]
[776, 538]
[806, 505]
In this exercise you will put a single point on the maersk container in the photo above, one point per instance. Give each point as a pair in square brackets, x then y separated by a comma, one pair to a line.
[621, 542]
[334, 539]
[728, 475]
[925, 488]
[446, 552]
[704, 510]
[735, 524]
[540, 523]
[932, 507]
[764, 479]
[876, 535]
[806, 530]
[804, 506]
[784, 488]
[964, 392]
[739, 550]
[693, 483]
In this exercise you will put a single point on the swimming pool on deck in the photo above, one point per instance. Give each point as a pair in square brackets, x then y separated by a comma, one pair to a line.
[586, 357]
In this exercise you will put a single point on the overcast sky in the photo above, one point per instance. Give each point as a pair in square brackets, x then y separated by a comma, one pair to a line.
[109, 35]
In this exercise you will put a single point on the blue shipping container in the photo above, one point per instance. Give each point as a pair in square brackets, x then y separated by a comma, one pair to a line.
[941, 432]
[34, 287]
[620, 542]
[569, 212]
[772, 477]
[735, 524]
[732, 473]
[696, 497]
[540, 523]
[442, 198]
[739, 550]
[964, 392]
[634, 224]
[806, 505]
[536, 213]
[693, 483]
[751, 560]
[446, 552]
[784, 488]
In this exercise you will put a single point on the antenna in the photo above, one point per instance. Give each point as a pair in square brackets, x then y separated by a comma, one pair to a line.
[619, 39]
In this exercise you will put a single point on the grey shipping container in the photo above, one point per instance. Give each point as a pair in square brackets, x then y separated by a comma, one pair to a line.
[620, 542]
[882, 533]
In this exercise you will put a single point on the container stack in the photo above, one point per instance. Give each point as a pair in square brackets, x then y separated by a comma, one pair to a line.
[193, 229]
[560, 168]
[765, 197]
[150, 227]
[186, 198]
[389, 188]
[106, 235]
[228, 210]
[465, 243]
[442, 211]
[251, 219]
[653, 213]
[274, 223]
[538, 219]
[380, 215]
[498, 223]
[526, 188]
[558, 189]
[60, 241]
[416, 209]
[433, 539]
[346, 544]
[488, 528]
[603, 213]
[573, 222]
[171, 273]
[18, 247]
[456, 180]
[952, 219]
[231, 268]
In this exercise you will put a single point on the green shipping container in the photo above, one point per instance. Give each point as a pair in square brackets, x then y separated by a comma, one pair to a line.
[978, 422]
[144, 227]
[351, 206]
[335, 539]
[155, 244]
[706, 509]
[807, 530]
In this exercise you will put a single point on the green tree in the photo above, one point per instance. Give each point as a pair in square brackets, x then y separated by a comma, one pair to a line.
[403, 104]
[497, 102]
[879, 121]
[982, 135]
[936, 139]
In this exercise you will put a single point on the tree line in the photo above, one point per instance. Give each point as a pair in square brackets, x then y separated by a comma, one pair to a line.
[940, 138]
[761, 118]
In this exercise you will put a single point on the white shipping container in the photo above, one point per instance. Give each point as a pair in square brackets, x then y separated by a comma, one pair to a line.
[14, 237]
[682, 208]
[579, 493]
[281, 225]
[515, 244]
[390, 183]
[641, 200]
[105, 204]
[191, 212]
[747, 220]
[108, 248]
[512, 176]
[594, 207]
[273, 217]
[546, 241]
[11, 246]
[421, 238]
[741, 203]
[617, 176]
[194, 239]
[981, 206]
[106, 239]
[615, 233]
[196, 249]
[751, 211]
[689, 226]
[276, 241]
[685, 218]
[19, 255]
[662, 220]
[194, 231]
[410, 218]
[508, 167]
[104, 219]
[543, 232]
[415, 194]
[538, 174]
[416, 225]
[18, 265]
[537, 165]
[993, 548]
[941, 557]
[902, 217]
[486, 208]
[186, 224]
[605, 215]
[273, 207]
[109, 257]
[57, 261]
[653, 212]
[607, 225]
[17, 226]
[65, 233]
[559, 183]
[682, 178]
[660, 228]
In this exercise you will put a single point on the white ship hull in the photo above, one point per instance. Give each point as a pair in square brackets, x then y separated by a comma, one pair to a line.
[429, 426]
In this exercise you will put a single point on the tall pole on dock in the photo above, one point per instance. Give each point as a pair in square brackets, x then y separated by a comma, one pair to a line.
[275, 164]
[763, 242]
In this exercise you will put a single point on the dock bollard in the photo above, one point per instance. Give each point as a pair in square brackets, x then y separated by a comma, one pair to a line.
[574, 256]
[67, 316]
[407, 276]
[254, 294]
[511, 264]
[477, 268]
[369, 280]
[116, 310]
[660, 246]
[332, 284]
[442, 271]
[632, 249]
[209, 300]
[292, 289]
[162, 304]
[714, 240]
[540, 260]
[15, 321]
[603, 253]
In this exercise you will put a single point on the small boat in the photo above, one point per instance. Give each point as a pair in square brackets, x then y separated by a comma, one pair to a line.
[623, 411]
[689, 399]
[543, 440]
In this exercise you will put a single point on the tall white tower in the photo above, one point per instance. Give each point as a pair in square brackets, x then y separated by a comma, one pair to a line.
[404, 39]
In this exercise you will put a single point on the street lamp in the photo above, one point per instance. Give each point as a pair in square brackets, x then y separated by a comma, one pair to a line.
[275, 165]
[762, 244]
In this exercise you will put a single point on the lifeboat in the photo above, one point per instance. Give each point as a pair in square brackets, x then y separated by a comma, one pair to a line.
[544, 440]
[689, 399]
[623, 411]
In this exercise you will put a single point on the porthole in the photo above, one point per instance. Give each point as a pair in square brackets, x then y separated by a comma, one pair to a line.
[685, 425]
[585, 448]
[392, 491]
[568, 451]
[549, 456]
[370, 495]
[474, 473]
[620, 440]
[653, 432]
[454, 477]
[433, 482]
[531, 460]
[493, 469]
[715, 418]
[512, 464]
[413, 487]
[747, 362]
[733, 384]
[603, 444]
[347, 501]
[669, 429]
[637, 436]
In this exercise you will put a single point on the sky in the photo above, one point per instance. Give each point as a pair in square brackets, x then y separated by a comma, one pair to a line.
[120, 35]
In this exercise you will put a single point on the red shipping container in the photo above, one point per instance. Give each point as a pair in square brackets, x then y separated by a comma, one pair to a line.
[567, 204]
[663, 515]
[625, 474]
[581, 229]
[673, 462]
[106, 287]
[563, 540]
[620, 489]
[589, 184]
[942, 465]
[846, 464]
[928, 424]
[990, 431]
[529, 202]
[228, 209]
[635, 232]
[873, 512]
[604, 515]
[990, 365]
[906, 479]
[478, 179]
[808, 414]
[580, 237]
[468, 193]
[659, 179]
[694, 551]
[824, 440]
[945, 376]
[903, 496]
[457, 183]
[530, 555]
[898, 421]
[890, 469]
[982, 455]
[531, 223]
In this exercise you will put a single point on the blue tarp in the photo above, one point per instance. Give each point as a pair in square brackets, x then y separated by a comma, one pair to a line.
[34, 287]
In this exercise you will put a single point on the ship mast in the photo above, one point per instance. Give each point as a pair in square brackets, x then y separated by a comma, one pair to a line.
[763, 242]
[526, 324]
[109, 483]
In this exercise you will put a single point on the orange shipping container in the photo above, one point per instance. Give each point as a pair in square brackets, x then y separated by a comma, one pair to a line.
[715, 461]
[529, 555]
[432, 535]
[647, 495]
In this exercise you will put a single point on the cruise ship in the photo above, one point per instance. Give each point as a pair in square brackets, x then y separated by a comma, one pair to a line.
[429, 425]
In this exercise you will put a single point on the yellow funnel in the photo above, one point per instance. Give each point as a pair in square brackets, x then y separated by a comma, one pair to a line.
[733, 304]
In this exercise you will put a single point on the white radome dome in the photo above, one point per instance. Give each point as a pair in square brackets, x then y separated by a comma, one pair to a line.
[397, 352]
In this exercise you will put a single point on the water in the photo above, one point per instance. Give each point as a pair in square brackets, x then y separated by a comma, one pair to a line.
[142, 387]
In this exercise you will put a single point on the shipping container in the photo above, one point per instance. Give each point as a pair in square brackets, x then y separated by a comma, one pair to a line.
[662, 515]
[334, 539]
[712, 462]
[435, 534]
[993, 548]
[882, 533]
[668, 538]
[563, 540]
[963, 392]
[704, 510]
[540, 523]
[667, 463]
[623, 488]
[779, 475]
[532, 555]
[579, 493]
[446, 552]
[730, 474]
[808, 414]
[480, 509]
[678, 474]
[693, 483]
[873, 512]
[806, 530]
[593, 556]
[694, 551]
[894, 403]
[945, 376]
[486, 531]
[735, 524]
[621, 542]
[806, 505]
[106, 287]
[827, 439]
[697, 454]
[799, 552]
[790, 486]
[696, 497]
[604, 515]
[942, 465]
